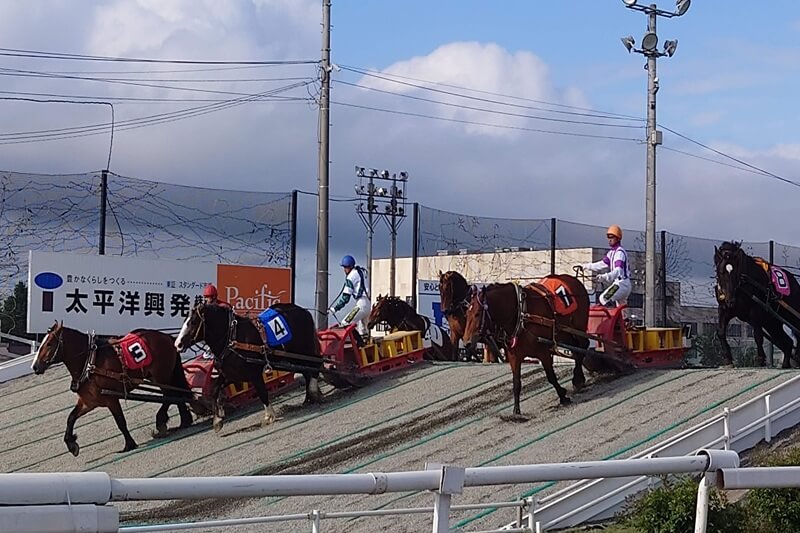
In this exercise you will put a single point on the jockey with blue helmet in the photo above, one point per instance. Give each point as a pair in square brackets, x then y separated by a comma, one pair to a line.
[355, 286]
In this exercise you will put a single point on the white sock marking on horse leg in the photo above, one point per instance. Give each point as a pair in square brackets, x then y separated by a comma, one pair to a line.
[313, 387]
[269, 415]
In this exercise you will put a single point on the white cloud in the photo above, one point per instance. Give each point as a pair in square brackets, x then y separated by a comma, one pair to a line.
[458, 167]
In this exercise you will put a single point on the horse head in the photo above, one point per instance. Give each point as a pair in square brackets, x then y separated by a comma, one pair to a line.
[389, 309]
[729, 265]
[194, 328]
[453, 292]
[51, 350]
[476, 317]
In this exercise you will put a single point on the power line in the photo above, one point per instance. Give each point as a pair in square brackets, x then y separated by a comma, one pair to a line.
[494, 111]
[160, 118]
[583, 111]
[159, 71]
[755, 169]
[486, 124]
[40, 74]
[14, 52]
[131, 99]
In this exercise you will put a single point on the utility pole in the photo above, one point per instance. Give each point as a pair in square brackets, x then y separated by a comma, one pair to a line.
[393, 199]
[654, 136]
[324, 163]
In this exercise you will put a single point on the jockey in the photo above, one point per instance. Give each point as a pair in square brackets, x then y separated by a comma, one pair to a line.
[619, 270]
[210, 297]
[354, 286]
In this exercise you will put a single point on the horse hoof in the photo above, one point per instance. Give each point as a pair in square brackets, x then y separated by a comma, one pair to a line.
[129, 447]
[186, 423]
[217, 425]
[160, 433]
[269, 417]
[73, 448]
[565, 401]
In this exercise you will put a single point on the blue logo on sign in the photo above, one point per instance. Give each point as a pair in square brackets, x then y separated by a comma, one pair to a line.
[48, 280]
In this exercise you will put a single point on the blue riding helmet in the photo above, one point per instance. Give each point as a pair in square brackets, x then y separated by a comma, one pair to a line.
[348, 261]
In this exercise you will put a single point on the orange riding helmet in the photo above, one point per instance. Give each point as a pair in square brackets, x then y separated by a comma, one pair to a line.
[614, 230]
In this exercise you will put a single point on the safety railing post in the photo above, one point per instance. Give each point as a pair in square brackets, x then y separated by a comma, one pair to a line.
[701, 514]
[316, 521]
[451, 481]
[726, 427]
[533, 525]
[768, 420]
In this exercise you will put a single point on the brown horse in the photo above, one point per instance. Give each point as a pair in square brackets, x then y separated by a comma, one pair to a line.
[241, 356]
[527, 321]
[454, 296]
[77, 350]
[402, 317]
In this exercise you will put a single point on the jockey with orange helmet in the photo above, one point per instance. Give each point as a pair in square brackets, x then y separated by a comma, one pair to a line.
[210, 297]
[619, 269]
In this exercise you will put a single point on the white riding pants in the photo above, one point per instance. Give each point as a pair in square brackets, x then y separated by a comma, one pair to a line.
[359, 315]
[617, 293]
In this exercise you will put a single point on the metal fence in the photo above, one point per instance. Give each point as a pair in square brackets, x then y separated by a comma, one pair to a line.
[145, 219]
[63, 499]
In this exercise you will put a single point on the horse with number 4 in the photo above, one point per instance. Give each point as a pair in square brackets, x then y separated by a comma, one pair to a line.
[105, 369]
[283, 337]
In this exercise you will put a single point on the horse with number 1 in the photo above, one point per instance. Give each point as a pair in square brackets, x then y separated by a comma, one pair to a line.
[533, 321]
[283, 337]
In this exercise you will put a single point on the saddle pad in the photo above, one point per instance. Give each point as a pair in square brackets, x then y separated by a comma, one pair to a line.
[276, 326]
[136, 353]
[564, 302]
[780, 280]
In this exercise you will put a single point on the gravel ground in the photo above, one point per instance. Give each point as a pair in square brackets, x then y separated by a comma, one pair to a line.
[440, 413]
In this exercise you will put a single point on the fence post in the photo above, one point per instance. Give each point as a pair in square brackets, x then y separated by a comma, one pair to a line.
[768, 421]
[552, 246]
[533, 525]
[770, 346]
[701, 513]
[293, 249]
[451, 481]
[101, 245]
[316, 521]
[726, 427]
[663, 278]
[414, 253]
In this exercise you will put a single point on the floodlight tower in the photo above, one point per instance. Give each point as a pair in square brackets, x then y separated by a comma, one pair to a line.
[650, 50]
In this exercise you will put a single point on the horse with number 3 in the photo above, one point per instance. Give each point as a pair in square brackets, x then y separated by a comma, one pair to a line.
[105, 369]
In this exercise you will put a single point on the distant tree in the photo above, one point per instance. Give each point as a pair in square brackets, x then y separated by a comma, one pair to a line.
[14, 312]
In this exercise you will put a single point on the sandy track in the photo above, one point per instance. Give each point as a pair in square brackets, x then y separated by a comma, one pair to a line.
[455, 414]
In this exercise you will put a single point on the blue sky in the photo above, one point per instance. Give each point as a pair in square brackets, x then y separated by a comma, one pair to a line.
[737, 62]
[731, 86]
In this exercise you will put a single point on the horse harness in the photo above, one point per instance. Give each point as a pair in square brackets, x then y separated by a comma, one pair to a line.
[522, 318]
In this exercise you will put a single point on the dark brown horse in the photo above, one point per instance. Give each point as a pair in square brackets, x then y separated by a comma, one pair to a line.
[741, 280]
[76, 350]
[526, 322]
[402, 317]
[241, 355]
[454, 297]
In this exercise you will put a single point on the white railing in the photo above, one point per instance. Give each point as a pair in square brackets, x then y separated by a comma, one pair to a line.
[18, 366]
[739, 429]
[56, 503]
